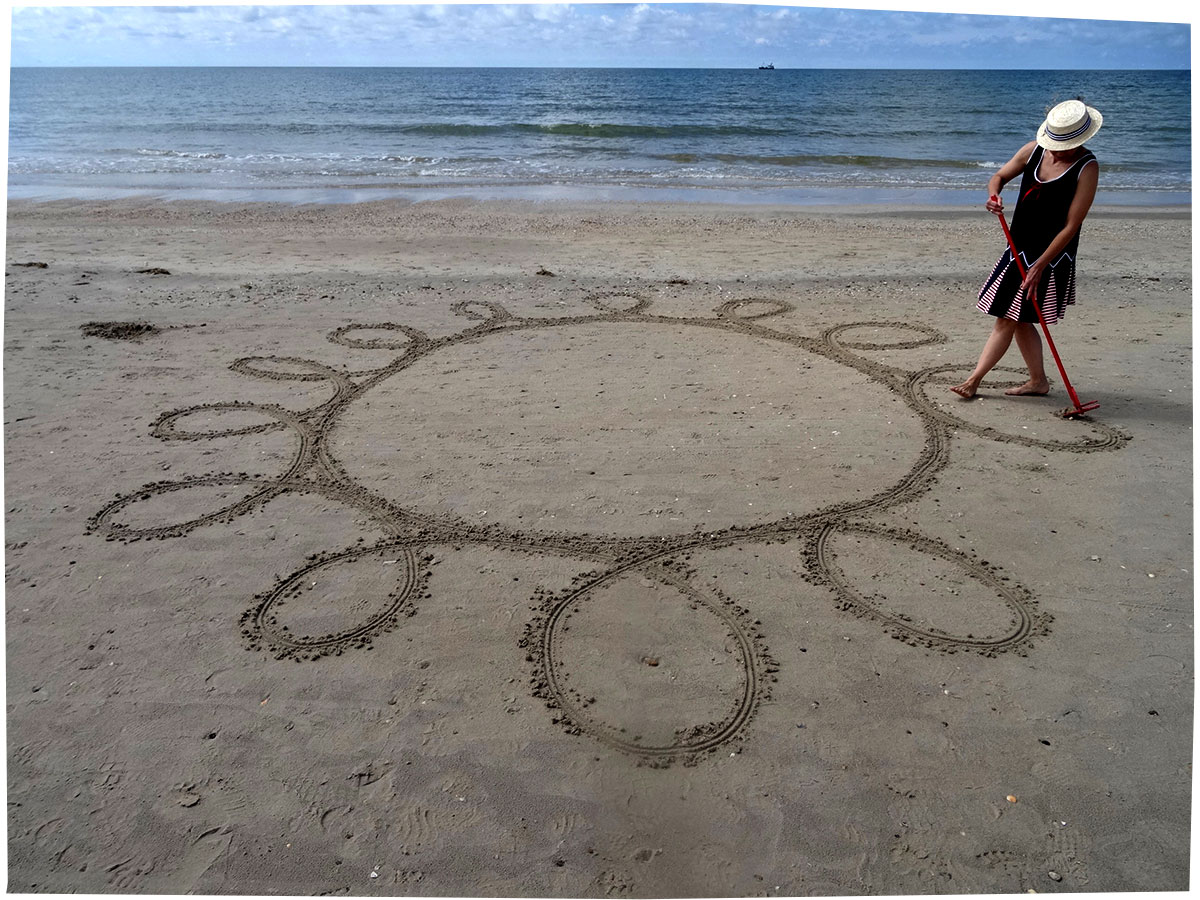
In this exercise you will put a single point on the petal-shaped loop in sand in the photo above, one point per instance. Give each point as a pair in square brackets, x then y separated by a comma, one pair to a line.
[618, 302]
[285, 368]
[482, 311]
[235, 418]
[923, 591]
[752, 308]
[141, 514]
[1029, 421]
[881, 335]
[338, 603]
[646, 663]
[412, 337]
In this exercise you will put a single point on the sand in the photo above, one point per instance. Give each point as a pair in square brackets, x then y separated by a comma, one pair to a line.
[490, 548]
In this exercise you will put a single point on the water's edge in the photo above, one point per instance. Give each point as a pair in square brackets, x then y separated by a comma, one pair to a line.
[575, 193]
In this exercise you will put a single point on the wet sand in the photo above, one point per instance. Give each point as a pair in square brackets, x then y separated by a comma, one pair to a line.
[517, 549]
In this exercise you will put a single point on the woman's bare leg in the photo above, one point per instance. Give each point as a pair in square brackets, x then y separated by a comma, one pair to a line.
[1029, 342]
[993, 351]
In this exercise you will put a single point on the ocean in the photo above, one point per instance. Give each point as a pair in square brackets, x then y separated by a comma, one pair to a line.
[717, 135]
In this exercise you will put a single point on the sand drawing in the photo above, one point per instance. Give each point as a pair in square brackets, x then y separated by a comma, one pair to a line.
[381, 584]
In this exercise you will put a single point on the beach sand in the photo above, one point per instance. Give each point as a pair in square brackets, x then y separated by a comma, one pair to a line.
[673, 570]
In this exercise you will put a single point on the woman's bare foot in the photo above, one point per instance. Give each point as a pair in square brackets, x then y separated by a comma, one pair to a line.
[966, 390]
[1030, 388]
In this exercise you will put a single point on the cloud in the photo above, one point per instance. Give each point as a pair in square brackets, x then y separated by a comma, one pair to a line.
[565, 34]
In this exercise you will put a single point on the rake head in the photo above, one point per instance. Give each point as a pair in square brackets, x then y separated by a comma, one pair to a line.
[1075, 412]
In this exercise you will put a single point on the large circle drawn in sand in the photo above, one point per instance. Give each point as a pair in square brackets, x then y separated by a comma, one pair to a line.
[649, 664]
[625, 429]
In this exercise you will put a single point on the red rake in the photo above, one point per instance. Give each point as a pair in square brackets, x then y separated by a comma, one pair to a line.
[1080, 408]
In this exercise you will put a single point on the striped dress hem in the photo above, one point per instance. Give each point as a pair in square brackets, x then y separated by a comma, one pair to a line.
[1003, 297]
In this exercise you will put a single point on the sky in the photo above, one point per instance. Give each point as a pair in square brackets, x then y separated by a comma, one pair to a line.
[701, 35]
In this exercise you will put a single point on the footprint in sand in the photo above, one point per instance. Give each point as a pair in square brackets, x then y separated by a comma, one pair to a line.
[198, 859]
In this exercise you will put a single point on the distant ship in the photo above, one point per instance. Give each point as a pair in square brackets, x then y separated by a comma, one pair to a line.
[768, 66]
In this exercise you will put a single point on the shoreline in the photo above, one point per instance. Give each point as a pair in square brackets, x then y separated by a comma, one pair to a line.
[21, 206]
[737, 197]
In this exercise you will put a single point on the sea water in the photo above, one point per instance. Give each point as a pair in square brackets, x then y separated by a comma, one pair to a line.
[723, 135]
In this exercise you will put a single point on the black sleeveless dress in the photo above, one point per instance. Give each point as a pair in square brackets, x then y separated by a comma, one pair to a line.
[1040, 214]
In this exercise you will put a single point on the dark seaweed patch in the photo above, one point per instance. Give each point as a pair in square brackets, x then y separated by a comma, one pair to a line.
[119, 331]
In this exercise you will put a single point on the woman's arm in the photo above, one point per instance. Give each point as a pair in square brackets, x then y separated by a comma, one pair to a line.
[1085, 193]
[1007, 173]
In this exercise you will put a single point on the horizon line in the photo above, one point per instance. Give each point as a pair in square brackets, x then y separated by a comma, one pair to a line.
[640, 68]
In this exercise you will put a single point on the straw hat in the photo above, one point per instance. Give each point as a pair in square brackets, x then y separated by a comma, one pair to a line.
[1069, 125]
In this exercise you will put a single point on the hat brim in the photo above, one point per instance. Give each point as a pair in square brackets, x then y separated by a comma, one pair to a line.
[1050, 144]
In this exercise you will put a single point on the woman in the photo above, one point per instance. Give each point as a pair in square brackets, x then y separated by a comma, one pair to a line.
[1058, 184]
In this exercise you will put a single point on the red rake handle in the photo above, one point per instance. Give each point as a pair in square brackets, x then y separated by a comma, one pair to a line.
[1038, 309]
